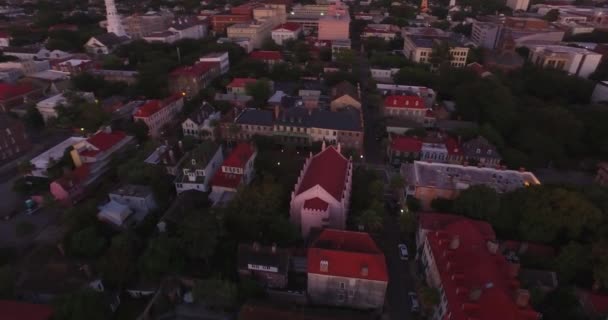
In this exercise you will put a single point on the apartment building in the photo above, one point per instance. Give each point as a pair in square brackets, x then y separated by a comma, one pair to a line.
[255, 31]
[335, 25]
[575, 61]
[157, 113]
[419, 48]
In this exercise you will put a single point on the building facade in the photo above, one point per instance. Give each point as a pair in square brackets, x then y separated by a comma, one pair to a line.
[199, 167]
[335, 25]
[321, 197]
[575, 61]
[405, 107]
[267, 265]
[419, 49]
[219, 57]
[286, 31]
[202, 123]
[256, 32]
[190, 80]
[157, 113]
[13, 138]
[346, 269]
[236, 170]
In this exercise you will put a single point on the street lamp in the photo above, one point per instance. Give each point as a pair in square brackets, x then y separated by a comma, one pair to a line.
[278, 163]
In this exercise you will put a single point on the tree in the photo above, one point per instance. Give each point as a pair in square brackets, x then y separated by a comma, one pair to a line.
[7, 282]
[416, 76]
[33, 119]
[442, 204]
[486, 101]
[198, 233]
[345, 58]
[552, 15]
[270, 45]
[162, 256]
[573, 261]
[369, 220]
[375, 44]
[407, 223]
[441, 54]
[84, 304]
[215, 293]
[24, 228]
[25, 167]
[117, 263]
[478, 202]
[260, 91]
[429, 297]
[87, 242]
[139, 130]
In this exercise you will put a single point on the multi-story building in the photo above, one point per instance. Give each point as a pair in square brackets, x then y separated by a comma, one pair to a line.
[403, 149]
[168, 155]
[74, 66]
[219, 57]
[45, 160]
[430, 180]
[157, 113]
[419, 49]
[518, 4]
[427, 94]
[98, 150]
[256, 31]
[479, 151]
[181, 28]
[344, 95]
[27, 66]
[141, 25]
[286, 31]
[220, 22]
[104, 43]
[383, 31]
[335, 25]
[237, 170]
[268, 57]
[461, 259]
[308, 15]
[48, 107]
[321, 196]
[239, 85]
[486, 34]
[190, 80]
[199, 167]
[575, 61]
[202, 123]
[13, 138]
[405, 107]
[275, 13]
[137, 197]
[14, 95]
[267, 265]
[346, 269]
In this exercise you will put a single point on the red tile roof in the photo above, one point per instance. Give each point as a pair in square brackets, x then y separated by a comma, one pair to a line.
[527, 248]
[226, 180]
[406, 144]
[239, 156]
[196, 70]
[14, 310]
[411, 102]
[328, 169]
[8, 91]
[437, 221]
[103, 141]
[291, 26]
[240, 82]
[594, 304]
[316, 204]
[153, 106]
[266, 55]
[472, 266]
[347, 253]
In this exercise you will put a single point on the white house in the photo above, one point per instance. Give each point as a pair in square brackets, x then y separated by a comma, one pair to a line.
[201, 123]
[46, 159]
[286, 31]
[104, 43]
[321, 196]
[138, 198]
[199, 167]
[48, 106]
[576, 61]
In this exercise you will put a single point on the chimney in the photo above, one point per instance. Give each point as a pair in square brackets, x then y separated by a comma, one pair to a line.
[522, 297]
[323, 146]
[475, 294]
[492, 246]
[455, 242]
[274, 247]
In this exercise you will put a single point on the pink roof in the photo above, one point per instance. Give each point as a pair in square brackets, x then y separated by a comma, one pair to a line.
[316, 204]
[406, 144]
[411, 102]
[266, 55]
[239, 156]
[327, 169]
[240, 82]
[14, 310]
[291, 26]
[153, 106]
[471, 266]
[347, 254]
[8, 91]
[195, 70]
[103, 141]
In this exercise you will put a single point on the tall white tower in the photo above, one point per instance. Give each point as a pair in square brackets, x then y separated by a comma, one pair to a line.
[114, 23]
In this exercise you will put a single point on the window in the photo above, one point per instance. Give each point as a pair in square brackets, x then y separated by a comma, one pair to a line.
[340, 297]
[324, 265]
[342, 285]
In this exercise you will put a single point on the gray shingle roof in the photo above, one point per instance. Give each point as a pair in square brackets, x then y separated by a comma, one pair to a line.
[255, 117]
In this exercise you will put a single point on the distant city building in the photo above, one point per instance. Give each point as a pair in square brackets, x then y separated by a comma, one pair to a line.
[405, 107]
[479, 151]
[418, 47]
[114, 23]
[427, 181]
[239, 85]
[219, 57]
[104, 43]
[48, 107]
[220, 22]
[321, 197]
[142, 25]
[346, 269]
[575, 61]
[199, 167]
[386, 32]
[129, 204]
[256, 32]
[479, 283]
[335, 25]
[14, 95]
[190, 80]
[286, 31]
[268, 57]
[157, 113]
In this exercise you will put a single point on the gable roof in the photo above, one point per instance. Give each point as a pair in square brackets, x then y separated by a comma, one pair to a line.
[110, 39]
[240, 82]
[291, 26]
[239, 156]
[405, 143]
[347, 254]
[411, 102]
[196, 70]
[328, 169]
[471, 266]
[344, 88]
[316, 204]
[14, 310]
[103, 141]
[153, 106]
[8, 90]
[266, 55]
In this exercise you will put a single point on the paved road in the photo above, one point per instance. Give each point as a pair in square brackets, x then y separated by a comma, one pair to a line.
[372, 148]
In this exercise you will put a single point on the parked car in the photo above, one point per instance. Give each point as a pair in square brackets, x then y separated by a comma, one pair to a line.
[414, 301]
[403, 254]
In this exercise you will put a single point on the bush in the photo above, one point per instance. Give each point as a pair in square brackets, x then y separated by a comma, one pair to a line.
[24, 228]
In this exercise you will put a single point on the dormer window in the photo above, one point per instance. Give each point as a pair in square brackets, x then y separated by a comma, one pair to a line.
[324, 265]
[364, 271]
[193, 162]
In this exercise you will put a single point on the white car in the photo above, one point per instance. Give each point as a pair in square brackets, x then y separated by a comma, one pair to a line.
[403, 252]
[414, 301]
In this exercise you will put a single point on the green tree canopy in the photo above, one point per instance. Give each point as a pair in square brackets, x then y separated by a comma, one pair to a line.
[84, 304]
[162, 256]
[215, 293]
[478, 202]
[260, 91]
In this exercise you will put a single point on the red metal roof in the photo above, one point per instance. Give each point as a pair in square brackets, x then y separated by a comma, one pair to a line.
[327, 169]
[14, 310]
[472, 266]
[411, 102]
[594, 304]
[240, 82]
[316, 204]
[153, 106]
[196, 70]
[406, 144]
[291, 26]
[103, 141]
[226, 180]
[8, 91]
[347, 253]
[239, 156]
[266, 55]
